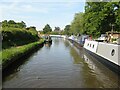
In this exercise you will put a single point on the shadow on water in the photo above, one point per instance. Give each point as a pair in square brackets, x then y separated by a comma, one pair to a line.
[66, 43]
[48, 45]
[88, 76]
[106, 77]
[14, 67]
[93, 72]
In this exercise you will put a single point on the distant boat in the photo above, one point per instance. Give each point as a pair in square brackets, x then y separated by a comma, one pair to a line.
[48, 39]
[78, 40]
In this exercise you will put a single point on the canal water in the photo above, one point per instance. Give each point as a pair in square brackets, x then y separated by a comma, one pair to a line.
[60, 65]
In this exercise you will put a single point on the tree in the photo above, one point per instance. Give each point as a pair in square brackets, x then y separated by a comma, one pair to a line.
[13, 24]
[57, 29]
[67, 29]
[4, 23]
[93, 18]
[117, 15]
[22, 24]
[10, 23]
[77, 23]
[47, 29]
[99, 16]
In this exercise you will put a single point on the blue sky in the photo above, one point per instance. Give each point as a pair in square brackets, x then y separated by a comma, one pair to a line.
[39, 13]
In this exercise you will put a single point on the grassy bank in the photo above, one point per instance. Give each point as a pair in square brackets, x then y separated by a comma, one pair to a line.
[14, 53]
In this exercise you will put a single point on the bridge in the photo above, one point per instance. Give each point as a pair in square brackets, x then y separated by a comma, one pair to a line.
[59, 36]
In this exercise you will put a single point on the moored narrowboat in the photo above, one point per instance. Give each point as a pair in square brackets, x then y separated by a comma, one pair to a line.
[106, 53]
[48, 39]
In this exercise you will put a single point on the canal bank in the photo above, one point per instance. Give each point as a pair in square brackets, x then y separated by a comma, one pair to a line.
[13, 54]
[60, 65]
[75, 43]
[102, 54]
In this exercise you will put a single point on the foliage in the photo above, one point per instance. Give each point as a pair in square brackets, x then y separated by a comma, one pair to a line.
[13, 24]
[77, 23]
[33, 31]
[99, 16]
[41, 32]
[55, 33]
[67, 30]
[14, 52]
[14, 36]
[57, 29]
[47, 29]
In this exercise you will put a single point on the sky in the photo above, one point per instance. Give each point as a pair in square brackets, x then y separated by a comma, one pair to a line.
[39, 13]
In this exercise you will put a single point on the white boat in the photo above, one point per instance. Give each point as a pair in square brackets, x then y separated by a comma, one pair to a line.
[106, 53]
[78, 40]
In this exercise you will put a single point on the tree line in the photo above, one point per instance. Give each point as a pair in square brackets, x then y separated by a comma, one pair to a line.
[48, 30]
[99, 18]
[13, 24]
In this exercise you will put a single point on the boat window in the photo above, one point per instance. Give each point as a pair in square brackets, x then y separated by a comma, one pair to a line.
[88, 44]
[112, 52]
[93, 46]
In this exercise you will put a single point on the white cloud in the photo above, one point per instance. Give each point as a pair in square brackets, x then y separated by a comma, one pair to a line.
[17, 7]
[30, 8]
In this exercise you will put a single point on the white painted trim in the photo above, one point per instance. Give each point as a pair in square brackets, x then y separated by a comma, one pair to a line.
[104, 50]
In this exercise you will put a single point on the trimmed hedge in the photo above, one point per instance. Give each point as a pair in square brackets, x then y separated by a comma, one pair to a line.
[16, 37]
[14, 53]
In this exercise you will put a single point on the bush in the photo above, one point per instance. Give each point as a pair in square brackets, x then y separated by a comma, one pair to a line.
[17, 36]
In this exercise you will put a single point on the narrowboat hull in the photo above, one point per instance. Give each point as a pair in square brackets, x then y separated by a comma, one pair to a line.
[48, 41]
[107, 54]
[106, 62]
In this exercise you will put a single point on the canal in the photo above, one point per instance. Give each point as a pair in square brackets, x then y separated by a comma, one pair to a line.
[60, 65]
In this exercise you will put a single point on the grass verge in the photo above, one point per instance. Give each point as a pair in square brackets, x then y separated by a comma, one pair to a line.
[14, 53]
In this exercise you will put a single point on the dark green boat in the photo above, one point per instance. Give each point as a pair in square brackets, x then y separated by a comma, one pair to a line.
[48, 39]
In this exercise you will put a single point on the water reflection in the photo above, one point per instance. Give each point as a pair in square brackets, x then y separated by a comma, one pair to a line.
[77, 59]
[89, 78]
[95, 74]
[48, 45]
[56, 40]
[15, 67]
[61, 65]
[66, 43]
